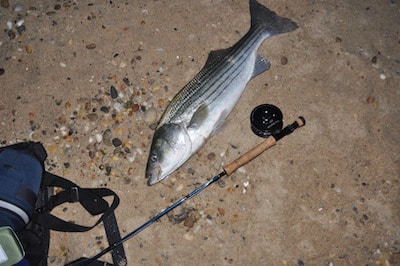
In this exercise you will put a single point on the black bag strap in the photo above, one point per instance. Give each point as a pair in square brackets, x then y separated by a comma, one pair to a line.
[92, 199]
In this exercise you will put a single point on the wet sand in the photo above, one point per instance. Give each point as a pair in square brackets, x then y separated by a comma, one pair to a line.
[326, 195]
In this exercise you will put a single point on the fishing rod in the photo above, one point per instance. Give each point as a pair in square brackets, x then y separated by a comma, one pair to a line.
[227, 170]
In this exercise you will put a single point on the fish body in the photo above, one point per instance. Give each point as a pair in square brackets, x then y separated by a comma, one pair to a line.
[201, 107]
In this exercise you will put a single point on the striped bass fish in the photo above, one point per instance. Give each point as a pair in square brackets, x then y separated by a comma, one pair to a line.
[201, 107]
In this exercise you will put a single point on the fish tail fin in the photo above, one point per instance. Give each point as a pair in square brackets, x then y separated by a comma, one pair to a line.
[274, 24]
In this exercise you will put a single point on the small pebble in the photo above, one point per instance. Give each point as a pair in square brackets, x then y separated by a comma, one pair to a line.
[191, 171]
[370, 99]
[108, 170]
[161, 102]
[300, 262]
[5, 3]
[99, 138]
[21, 29]
[28, 49]
[189, 222]
[118, 107]
[91, 46]
[88, 106]
[188, 236]
[382, 77]
[150, 115]
[33, 135]
[19, 23]
[221, 211]
[61, 119]
[11, 34]
[113, 92]
[211, 156]
[132, 158]
[179, 188]
[221, 183]
[127, 180]
[18, 7]
[105, 109]
[135, 107]
[153, 126]
[116, 142]
[284, 60]
[2, 71]
[92, 117]
[241, 170]
[107, 137]
[9, 25]
[126, 81]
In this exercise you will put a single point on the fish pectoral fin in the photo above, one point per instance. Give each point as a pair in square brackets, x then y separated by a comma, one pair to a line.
[199, 116]
[261, 65]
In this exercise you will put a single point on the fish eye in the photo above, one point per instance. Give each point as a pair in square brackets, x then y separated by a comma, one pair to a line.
[153, 158]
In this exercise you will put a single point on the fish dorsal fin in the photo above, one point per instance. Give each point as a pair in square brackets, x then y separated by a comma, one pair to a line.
[199, 116]
[261, 65]
[215, 56]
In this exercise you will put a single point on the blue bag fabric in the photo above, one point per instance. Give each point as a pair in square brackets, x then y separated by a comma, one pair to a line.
[21, 171]
[25, 203]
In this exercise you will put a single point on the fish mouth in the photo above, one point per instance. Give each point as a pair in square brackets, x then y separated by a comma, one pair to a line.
[152, 181]
[154, 174]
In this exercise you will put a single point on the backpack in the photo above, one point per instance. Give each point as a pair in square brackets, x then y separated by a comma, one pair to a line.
[26, 201]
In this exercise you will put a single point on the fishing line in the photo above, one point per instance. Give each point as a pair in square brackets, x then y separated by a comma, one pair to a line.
[227, 170]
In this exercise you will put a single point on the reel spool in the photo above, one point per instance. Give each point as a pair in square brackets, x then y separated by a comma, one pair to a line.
[266, 120]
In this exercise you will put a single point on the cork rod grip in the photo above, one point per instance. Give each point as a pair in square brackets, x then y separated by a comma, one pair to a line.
[250, 155]
[265, 145]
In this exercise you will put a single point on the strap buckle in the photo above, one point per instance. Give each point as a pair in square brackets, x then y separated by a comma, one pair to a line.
[73, 194]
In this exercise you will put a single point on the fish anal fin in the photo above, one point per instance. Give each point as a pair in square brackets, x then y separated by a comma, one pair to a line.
[261, 65]
[199, 116]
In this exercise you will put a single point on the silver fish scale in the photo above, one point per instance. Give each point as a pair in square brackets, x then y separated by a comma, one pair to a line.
[214, 78]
